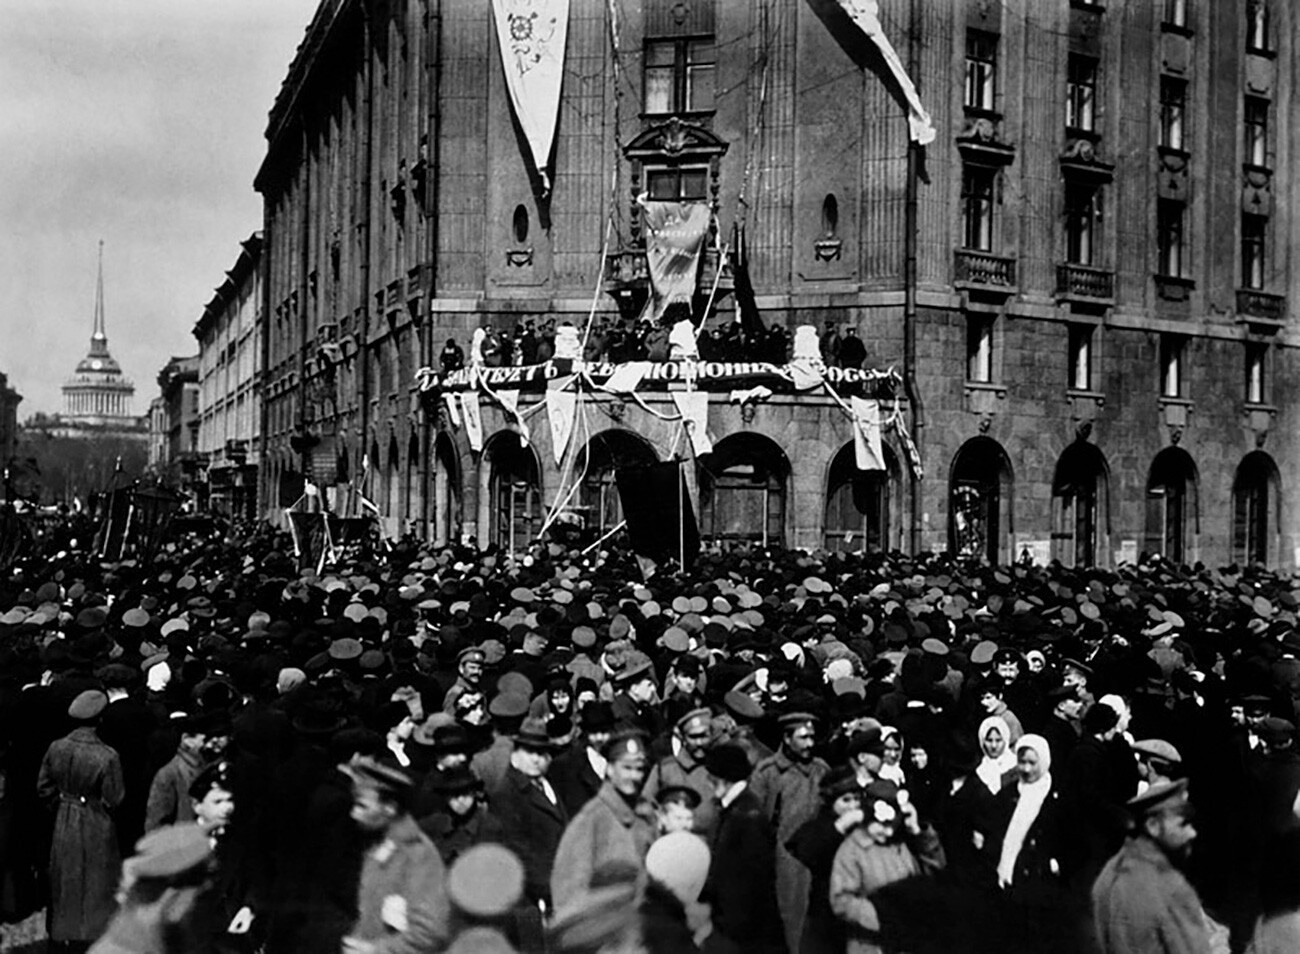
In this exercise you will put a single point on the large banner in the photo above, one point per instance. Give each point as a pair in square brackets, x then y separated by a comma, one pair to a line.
[866, 14]
[532, 35]
[675, 234]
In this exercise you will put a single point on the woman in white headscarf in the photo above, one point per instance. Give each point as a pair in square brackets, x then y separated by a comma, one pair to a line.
[1030, 853]
[998, 757]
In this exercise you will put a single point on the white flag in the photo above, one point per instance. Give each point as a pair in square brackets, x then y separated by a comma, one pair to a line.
[532, 35]
[866, 434]
[473, 419]
[866, 14]
[694, 407]
[510, 401]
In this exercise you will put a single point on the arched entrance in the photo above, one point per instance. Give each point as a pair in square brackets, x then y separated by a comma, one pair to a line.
[513, 492]
[979, 502]
[862, 505]
[446, 492]
[742, 490]
[1255, 496]
[1172, 510]
[1080, 505]
[597, 500]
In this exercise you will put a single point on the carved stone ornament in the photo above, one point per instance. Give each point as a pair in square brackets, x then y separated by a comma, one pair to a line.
[979, 129]
[747, 412]
[828, 249]
[676, 139]
[519, 257]
[1175, 434]
[1083, 430]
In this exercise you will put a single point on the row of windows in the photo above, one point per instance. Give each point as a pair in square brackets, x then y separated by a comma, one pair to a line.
[1082, 364]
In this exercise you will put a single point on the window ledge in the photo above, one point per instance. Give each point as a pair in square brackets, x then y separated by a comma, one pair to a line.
[992, 387]
[1171, 400]
[1267, 54]
[1270, 409]
[1178, 29]
[687, 115]
[1085, 395]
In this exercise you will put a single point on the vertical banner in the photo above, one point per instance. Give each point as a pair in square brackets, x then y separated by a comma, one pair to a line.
[866, 434]
[473, 420]
[866, 14]
[675, 234]
[532, 35]
[694, 407]
[510, 401]
[561, 404]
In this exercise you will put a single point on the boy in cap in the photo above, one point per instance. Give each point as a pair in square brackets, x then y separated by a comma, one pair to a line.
[402, 896]
[1141, 901]
[613, 829]
[686, 768]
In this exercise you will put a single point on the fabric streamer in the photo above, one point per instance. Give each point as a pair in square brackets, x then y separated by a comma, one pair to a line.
[561, 404]
[866, 434]
[866, 14]
[453, 408]
[694, 406]
[532, 35]
[626, 377]
[473, 420]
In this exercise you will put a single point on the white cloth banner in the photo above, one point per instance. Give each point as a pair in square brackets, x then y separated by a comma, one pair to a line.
[453, 408]
[532, 35]
[561, 405]
[866, 434]
[694, 407]
[473, 420]
[627, 377]
[510, 401]
[866, 14]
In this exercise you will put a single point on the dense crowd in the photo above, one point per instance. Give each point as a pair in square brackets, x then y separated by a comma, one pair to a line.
[425, 750]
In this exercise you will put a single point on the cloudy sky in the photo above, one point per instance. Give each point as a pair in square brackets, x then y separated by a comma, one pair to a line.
[139, 122]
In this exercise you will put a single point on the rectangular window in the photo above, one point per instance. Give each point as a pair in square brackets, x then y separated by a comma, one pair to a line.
[689, 184]
[1173, 108]
[1255, 119]
[977, 208]
[678, 75]
[1176, 13]
[1257, 26]
[979, 349]
[1081, 357]
[981, 69]
[1253, 231]
[1082, 215]
[1172, 379]
[1081, 93]
[1170, 237]
[1255, 380]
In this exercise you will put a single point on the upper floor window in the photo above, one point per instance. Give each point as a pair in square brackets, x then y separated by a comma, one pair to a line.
[1255, 120]
[1257, 26]
[679, 75]
[1253, 231]
[979, 349]
[1173, 108]
[1082, 214]
[981, 69]
[1176, 13]
[1081, 93]
[677, 184]
[1173, 381]
[1081, 357]
[977, 208]
[1256, 353]
[1170, 238]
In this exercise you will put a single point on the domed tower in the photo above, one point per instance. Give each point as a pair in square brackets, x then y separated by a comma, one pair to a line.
[98, 394]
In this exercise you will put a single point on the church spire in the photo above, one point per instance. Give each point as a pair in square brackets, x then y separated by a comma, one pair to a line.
[99, 334]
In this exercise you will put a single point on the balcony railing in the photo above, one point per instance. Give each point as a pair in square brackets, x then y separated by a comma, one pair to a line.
[1258, 304]
[984, 269]
[1084, 281]
[627, 269]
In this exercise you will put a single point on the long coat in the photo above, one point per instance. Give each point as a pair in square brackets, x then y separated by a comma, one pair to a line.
[169, 794]
[681, 769]
[81, 778]
[1142, 903]
[741, 884]
[606, 831]
[531, 828]
[862, 868]
[404, 866]
[789, 793]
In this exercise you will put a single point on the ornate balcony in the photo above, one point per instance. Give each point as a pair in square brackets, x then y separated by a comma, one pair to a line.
[1085, 283]
[984, 270]
[1261, 309]
[628, 274]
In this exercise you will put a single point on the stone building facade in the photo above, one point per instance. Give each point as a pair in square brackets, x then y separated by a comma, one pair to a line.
[1088, 295]
[9, 401]
[229, 334]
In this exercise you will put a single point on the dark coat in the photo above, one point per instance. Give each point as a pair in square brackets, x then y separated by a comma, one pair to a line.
[741, 884]
[126, 725]
[575, 781]
[664, 928]
[405, 865]
[169, 794]
[531, 828]
[815, 844]
[606, 831]
[453, 835]
[81, 779]
[1141, 903]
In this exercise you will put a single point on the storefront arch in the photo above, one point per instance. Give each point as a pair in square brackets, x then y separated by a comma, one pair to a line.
[863, 507]
[1080, 505]
[1173, 513]
[597, 501]
[980, 490]
[511, 493]
[1256, 492]
[743, 490]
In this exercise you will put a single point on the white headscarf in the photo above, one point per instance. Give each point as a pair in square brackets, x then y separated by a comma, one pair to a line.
[990, 771]
[1032, 796]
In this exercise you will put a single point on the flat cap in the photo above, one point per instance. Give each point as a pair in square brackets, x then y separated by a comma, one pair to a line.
[508, 705]
[88, 705]
[371, 773]
[171, 852]
[486, 881]
[742, 706]
[689, 717]
[1159, 797]
[1158, 748]
[790, 720]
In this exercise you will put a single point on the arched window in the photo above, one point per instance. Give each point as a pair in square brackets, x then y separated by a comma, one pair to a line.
[860, 504]
[1172, 519]
[1254, 504]
[514, 488]
[597, 500]
[979, 502]
[742, 490]
[446, 492]
[1079, 505]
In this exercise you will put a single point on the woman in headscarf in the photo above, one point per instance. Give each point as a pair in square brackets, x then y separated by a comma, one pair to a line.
[1029, 846]
[999, 761]
[891, 767]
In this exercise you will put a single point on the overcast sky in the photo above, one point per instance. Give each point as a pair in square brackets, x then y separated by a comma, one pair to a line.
[139, 122]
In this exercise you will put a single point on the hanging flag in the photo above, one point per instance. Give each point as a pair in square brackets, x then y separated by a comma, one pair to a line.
[751, 323]
[532, 35]
[909, 448]
[675, 234]
[453, 408]
[866, 14]
[866, 434]
[694, 408]
[561, 405]
[473, 420]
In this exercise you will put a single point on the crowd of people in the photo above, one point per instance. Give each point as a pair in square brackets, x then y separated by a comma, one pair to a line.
[430, 749]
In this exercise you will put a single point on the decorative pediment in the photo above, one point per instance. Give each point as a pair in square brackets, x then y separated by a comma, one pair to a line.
[677, 141]
[1082, 159]
[980, 142]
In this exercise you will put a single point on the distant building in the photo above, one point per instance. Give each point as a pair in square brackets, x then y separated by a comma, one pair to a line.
[9, 401]
[174, 425]
[230, 370]
[99, 395]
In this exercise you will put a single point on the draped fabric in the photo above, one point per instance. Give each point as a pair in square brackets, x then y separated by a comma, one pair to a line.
[532, 35]
[866, 14]
[561, 405]
[866, 434]
[473, 420]
[694, 408]
[675, 234]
